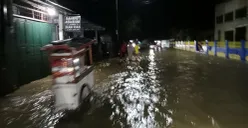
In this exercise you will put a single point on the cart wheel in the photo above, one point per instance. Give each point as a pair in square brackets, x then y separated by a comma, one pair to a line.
[83, 97]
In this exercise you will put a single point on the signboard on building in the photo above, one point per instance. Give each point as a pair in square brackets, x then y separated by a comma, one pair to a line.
[72, 23]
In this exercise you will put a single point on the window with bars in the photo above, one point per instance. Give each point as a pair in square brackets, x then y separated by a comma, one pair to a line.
[240, 34]
[229, 17]
[241, 13]
[31, 13]
[219, 19]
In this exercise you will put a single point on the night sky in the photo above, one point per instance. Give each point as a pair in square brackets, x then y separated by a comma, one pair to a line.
[158, 16]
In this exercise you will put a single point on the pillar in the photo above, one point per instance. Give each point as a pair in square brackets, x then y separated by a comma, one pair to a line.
[246, 34]
[215, 48]
[243, 51]
[61, 27]
[227, 50]
[234, 35]
[90, 55]
[96, 36]
[82, 31]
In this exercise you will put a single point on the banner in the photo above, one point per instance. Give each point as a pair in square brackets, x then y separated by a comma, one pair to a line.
[72, 23]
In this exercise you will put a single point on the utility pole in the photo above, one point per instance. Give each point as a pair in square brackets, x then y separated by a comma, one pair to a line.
[117, 19]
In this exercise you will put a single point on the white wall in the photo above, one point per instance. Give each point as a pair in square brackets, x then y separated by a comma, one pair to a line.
[165, 43]
[61, 27]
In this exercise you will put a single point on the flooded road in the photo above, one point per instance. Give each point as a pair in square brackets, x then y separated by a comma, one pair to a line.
[166, 89]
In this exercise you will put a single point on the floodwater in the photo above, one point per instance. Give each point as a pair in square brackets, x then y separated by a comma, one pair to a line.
[166, 89]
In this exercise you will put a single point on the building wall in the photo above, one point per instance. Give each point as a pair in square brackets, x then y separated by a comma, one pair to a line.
[224, 8]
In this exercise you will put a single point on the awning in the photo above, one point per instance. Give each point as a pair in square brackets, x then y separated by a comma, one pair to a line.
[89, 26]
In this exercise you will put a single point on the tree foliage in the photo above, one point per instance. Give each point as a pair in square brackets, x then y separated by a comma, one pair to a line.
[132, 27]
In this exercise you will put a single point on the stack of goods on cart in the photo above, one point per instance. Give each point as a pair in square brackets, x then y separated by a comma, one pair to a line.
[68, 59]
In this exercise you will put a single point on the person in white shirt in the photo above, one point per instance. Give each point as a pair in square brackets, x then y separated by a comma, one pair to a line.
[130, 50]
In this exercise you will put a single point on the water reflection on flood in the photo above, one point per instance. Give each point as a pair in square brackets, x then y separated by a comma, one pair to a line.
[134, 95]
[165, 89]
[36, 110]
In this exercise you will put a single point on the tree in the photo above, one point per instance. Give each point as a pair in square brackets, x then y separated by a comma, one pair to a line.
[132, 27]
[181, 34]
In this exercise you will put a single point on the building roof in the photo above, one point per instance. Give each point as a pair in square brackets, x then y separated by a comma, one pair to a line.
[89, 26]
[54, 3]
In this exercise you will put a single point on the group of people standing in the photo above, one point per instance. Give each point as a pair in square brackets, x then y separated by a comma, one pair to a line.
[131, 49]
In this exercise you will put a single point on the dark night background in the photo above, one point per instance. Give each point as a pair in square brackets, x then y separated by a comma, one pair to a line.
[157, 18]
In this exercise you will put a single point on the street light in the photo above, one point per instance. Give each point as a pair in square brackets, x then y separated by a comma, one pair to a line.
[51, 11]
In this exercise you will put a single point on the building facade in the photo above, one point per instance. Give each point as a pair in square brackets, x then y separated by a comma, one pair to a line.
[231, 20]
[26, 26]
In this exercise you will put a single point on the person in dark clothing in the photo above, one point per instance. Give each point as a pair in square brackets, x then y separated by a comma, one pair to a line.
[104, 49]
[200, 47]
[123, 50]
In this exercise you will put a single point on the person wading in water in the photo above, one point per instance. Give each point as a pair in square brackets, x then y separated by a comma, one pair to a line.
[136, 51]
[130, 50]
[123, 51]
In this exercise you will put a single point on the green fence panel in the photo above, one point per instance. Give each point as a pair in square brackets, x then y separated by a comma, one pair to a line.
[30, 37]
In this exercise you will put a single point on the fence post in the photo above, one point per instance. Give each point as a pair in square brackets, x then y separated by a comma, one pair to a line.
[188, 45]
[207, 47]
[182, 43]
[185, 45]
[215, 48]
[227, 50]
[243, 51]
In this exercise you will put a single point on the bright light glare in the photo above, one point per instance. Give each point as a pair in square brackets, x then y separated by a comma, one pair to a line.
[77, 68]
[75, 60]
[151, 52]
[5, 10]
[51, 11]
[134, 44]
[66, 70]
[151, 46]
[131, 41]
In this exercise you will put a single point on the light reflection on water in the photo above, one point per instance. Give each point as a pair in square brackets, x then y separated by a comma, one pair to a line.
[137, 93]
[167, 89]
[30, 111]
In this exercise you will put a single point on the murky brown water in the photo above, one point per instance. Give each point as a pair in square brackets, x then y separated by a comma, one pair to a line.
[166, 89]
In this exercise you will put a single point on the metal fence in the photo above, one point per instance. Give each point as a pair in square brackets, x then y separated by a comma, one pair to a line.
[229, 50]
